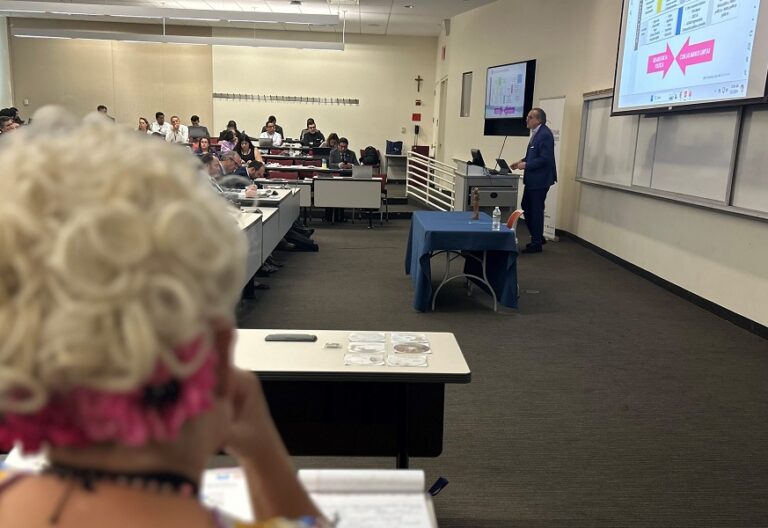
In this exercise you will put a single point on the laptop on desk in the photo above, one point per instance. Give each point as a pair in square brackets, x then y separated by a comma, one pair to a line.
[265, 142]
[198, 132]
[362, 172]
[503, 167]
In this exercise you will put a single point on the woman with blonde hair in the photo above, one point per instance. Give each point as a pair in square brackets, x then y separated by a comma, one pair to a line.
[119, 273]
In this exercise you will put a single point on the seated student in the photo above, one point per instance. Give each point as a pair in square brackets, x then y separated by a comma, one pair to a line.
[160, 126]
[212, 165]
[256, 170]
[273, 134]
[231, 125]
[144, 126]
[278, 128]
[178, 133]
[312, 137]
[245, 148]
[232, 165]
[228, 141]
[119, 363]
[204, 147]
[332, 142]
[7, 124]
[342, 157]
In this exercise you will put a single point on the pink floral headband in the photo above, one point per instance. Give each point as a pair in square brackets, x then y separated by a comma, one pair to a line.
[85, 417]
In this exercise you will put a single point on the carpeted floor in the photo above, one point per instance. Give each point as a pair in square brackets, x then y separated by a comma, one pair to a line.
[602, 401]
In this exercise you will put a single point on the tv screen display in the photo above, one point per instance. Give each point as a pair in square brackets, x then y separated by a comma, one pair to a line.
[677, 54]
[508, 98]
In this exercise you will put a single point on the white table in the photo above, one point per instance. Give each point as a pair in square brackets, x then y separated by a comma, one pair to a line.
[288, 202]
[253, 231]
[270, 219]
[348, 192]
[250, 224]
[324, 408]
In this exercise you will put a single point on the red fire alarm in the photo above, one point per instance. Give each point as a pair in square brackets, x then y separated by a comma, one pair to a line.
[416, 118]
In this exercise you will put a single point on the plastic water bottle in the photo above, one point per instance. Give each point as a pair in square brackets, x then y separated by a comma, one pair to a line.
[496, 219]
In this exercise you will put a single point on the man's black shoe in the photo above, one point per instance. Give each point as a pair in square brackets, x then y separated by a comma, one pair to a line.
[273, 262]
[531, 244]
[532, 249]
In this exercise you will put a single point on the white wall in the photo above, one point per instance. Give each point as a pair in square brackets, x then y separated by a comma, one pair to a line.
[721, 257]
[6, 93]
[380, 71]
[131, 79]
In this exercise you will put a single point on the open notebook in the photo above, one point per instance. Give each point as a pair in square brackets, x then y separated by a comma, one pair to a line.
[356, 498]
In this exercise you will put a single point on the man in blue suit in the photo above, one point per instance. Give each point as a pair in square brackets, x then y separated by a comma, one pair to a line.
[539, 175]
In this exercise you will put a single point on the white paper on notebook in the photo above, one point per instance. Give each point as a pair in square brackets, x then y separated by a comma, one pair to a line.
[227, 490]
[370, 498]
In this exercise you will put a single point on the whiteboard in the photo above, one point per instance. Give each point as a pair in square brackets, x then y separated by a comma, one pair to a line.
[690, 157]
[606, 156]
[694, 154]
[750, 189]
[645, 151]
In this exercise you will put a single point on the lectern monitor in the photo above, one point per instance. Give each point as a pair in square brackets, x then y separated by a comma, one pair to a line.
[477, 158]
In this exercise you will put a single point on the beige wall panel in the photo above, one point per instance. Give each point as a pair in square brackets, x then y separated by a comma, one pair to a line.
[131, 79]
[718, 256]
[380, 71]
[172, 78]
[73, 73]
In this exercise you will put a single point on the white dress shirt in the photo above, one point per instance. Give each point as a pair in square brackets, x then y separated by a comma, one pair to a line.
[276, 138]
[162, 129]
[180, 136]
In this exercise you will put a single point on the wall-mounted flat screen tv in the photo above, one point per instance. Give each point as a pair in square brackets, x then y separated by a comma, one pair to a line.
[508, 98]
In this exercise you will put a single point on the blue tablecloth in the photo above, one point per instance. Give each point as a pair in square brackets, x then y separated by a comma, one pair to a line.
[435, 230]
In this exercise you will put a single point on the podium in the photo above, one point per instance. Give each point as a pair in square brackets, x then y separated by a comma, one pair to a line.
[496, 190]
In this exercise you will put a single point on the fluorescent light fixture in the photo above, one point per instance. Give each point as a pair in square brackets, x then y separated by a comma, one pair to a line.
[197, 19]
[137, 12]
[255, 21]
[23, 11]
[172, 39]
[43, 37]
[67, 13]
[135, 16]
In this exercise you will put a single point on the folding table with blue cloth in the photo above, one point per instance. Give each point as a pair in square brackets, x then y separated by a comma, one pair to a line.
[433, 231]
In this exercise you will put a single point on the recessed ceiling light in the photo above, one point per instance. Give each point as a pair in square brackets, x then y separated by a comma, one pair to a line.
[409, 6]
[295, 2]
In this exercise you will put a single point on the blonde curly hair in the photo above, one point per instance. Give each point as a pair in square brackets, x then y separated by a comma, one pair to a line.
[111, 254]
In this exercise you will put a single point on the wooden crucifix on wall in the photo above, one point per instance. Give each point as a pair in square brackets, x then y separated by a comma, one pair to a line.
[418, 80]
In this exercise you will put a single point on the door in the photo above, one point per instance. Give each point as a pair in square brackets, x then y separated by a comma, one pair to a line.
[441, 121]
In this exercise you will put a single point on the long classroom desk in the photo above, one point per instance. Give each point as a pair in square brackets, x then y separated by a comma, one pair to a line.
[306, 169]
[250, 224]
[265, 226]
[324, 408]
[348, 193]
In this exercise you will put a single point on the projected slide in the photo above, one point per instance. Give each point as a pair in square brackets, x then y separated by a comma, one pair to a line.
[685, 51]
[506, 91]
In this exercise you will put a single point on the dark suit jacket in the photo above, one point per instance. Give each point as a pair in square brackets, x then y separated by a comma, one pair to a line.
[540, 171]
[336, 157]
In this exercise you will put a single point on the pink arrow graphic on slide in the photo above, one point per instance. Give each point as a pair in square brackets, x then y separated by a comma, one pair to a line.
[661, 62]
[695, 53]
